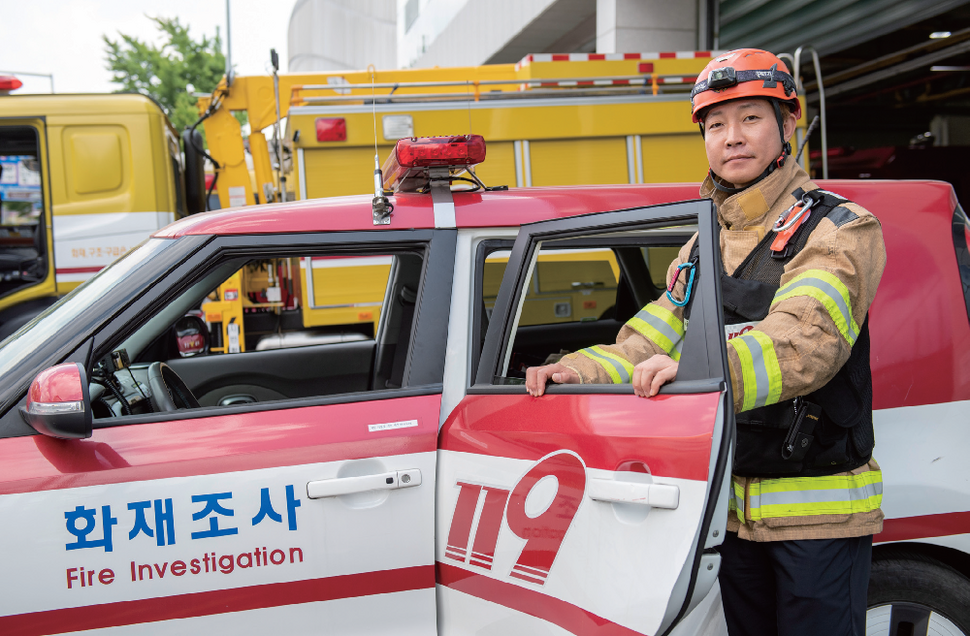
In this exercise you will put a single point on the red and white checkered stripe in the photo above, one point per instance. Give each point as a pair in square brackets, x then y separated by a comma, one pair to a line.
[613, 57]
[645, 81]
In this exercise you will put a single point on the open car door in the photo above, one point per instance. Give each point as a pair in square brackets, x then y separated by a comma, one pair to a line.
[588, 509]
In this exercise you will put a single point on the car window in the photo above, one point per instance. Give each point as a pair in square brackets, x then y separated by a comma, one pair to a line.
[265, 328]
[580, 292]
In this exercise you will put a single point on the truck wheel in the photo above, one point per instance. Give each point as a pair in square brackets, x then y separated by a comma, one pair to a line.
[911, 594]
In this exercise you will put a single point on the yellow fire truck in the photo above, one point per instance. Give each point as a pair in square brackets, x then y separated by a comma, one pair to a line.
[547, 120]
[83, 179]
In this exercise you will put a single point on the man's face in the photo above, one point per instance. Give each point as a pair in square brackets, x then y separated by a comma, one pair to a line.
[741, 139]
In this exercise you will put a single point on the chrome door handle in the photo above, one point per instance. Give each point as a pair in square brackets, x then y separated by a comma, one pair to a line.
[349, 485]
[656, 495]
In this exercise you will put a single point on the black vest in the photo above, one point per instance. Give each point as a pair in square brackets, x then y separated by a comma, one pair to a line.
[828, 431]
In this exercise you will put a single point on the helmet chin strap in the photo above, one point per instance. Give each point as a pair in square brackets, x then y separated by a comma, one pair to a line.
[777, 163]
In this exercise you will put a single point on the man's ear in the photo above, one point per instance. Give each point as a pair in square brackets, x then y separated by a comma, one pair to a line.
[789, 122]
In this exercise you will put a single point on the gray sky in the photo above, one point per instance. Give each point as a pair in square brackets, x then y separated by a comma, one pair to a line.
[63, 37]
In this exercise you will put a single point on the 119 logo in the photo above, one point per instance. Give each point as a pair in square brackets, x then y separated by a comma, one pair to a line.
[543, 533]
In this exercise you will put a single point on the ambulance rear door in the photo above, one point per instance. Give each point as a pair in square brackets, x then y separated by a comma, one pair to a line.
[588, 510]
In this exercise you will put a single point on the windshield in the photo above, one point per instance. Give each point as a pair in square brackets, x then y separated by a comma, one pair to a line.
[61, 314]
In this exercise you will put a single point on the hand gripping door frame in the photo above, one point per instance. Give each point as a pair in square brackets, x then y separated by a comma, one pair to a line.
[703, 367]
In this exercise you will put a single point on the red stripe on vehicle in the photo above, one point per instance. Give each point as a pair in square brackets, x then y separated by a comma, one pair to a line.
[631, 56]
[668, 55]
[550, 609]
[597, 56]
[702, 54]
[924, 526]
[670, 434]
[79, 270]
[240, 599]
[560, 57]
[220, 444]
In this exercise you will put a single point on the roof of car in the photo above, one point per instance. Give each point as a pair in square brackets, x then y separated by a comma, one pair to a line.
[516, 206]
[485, 209]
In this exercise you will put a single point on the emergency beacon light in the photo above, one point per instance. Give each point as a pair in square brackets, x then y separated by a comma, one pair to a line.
[408, 167]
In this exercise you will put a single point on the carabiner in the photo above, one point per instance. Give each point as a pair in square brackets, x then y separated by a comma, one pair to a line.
[786, 222]
[691, 266]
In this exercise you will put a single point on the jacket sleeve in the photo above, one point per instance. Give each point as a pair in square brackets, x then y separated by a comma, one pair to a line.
[657, 328]
[816, 315]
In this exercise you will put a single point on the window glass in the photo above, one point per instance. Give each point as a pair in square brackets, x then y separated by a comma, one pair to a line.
[579, 293]
[252, 330]
[21, 209]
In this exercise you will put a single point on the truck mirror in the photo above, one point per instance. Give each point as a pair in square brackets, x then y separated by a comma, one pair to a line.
[59, 402]
[194, 171]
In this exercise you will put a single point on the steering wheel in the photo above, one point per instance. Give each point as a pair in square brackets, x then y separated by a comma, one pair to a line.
[169, 391]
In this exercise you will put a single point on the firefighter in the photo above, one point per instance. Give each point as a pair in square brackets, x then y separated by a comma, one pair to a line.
[800, 268]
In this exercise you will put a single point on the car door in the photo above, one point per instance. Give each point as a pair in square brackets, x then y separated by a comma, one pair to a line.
[589, 509]
[307, 514]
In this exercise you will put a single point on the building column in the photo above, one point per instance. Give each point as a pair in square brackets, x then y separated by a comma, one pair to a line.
[635, 26]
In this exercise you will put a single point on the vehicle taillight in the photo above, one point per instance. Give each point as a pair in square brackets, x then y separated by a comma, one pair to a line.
[9, 83]
[331, 129]
[408, 167]
[432, 152]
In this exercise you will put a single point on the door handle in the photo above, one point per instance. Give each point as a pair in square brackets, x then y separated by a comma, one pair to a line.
[349, 485]
[656, 495]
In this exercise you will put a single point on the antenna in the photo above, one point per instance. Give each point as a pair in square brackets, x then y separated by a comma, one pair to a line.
[381, 207]
[469, 101]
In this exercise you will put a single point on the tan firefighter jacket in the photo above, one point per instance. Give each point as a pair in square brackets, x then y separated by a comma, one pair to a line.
[804, 340]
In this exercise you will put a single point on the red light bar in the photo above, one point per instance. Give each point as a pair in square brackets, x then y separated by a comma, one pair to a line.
[433, 152]
[413, 157]
[9, 83]
[331, 129]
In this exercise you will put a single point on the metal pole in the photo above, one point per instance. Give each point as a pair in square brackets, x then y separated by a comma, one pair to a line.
[228, 47]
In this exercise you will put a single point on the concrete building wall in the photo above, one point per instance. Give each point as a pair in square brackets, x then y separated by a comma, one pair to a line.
[333, 35]
[632, 26]
[496, 31]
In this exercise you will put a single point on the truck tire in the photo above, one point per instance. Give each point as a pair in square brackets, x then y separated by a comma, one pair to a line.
[912, 594]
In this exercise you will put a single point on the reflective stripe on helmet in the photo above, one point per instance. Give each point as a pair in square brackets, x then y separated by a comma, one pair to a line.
[619, 370]
[828, 290]
[760, 371]
[660, 326]
[813, 496]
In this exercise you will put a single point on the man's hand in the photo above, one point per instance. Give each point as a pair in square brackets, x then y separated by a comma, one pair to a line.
[536, 377]
[653, 373]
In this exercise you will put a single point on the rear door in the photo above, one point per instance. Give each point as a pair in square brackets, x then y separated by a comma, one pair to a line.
[588, 509]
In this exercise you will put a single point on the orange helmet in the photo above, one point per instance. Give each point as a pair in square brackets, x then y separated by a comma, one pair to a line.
[740, 74]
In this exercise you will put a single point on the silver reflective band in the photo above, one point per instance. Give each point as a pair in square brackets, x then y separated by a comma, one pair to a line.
[660, 325]
[624, 375]
[821, 495]
[53, 408]
[762, 383]
[830, 291]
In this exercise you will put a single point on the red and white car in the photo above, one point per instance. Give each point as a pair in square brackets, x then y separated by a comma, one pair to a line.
[407, 483]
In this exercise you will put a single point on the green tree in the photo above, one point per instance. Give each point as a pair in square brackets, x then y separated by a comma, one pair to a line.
[168, 73]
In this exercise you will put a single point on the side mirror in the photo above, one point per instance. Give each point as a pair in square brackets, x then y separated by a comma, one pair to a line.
[191, 335]
[59, 402]
[194, 171]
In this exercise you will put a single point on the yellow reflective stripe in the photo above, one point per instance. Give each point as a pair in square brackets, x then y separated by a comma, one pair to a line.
[660, 326]
[619, 370]
[828, 290]
[811, 496]
[760, 371]
[737, 499]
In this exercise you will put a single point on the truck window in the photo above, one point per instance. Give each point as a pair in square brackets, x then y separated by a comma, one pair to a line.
[22, 234]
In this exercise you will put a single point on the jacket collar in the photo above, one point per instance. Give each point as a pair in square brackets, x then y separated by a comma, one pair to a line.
[751, 206]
